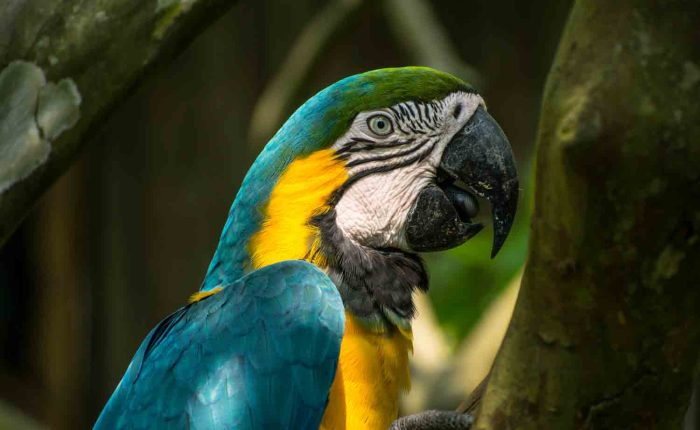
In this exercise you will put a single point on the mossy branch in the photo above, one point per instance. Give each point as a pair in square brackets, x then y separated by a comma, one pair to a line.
[64, 64]
[606, 330]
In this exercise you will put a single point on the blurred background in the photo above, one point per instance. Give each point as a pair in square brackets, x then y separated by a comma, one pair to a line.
[124, 237]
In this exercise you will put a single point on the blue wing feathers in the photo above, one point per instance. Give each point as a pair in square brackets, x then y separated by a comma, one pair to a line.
[260, 354]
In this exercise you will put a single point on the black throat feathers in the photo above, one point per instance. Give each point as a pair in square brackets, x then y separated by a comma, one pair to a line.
[376, 285]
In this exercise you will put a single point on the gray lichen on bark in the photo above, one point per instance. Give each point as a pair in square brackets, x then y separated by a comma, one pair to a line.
[58, 108]
[105, 47]
[32, 114]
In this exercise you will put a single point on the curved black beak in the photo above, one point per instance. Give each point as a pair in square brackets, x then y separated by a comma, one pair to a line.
[477, 160]
[480, 156]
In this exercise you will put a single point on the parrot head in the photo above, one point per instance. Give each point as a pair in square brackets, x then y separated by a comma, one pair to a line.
[368, 173]
[415, 168]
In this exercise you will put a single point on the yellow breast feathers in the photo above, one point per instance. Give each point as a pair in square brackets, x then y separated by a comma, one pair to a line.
[372, 372]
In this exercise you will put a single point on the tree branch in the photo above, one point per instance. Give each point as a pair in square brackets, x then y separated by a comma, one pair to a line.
[418, 29]
[271, 107]
[606, 332]
[64, 64]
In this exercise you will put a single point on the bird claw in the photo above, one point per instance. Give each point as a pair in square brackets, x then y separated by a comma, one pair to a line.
[434, 420]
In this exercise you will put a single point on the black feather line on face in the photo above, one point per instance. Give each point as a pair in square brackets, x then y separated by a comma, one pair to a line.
[370, 145]
[398, 116]
[337, 194]
[385, 157]
[371, 281]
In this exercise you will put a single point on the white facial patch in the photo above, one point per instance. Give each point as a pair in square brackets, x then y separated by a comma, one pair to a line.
[389, 164]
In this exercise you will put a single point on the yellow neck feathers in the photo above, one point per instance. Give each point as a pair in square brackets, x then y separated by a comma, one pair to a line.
[301, 192]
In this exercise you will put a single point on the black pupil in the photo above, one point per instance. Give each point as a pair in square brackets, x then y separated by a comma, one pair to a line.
[380, 124]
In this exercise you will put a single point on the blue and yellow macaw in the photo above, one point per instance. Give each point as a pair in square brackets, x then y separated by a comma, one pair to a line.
[303, 320]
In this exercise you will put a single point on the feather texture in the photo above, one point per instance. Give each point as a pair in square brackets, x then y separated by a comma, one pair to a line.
[261, 353]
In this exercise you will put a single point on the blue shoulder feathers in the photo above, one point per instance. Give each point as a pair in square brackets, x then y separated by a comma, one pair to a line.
[262, 353]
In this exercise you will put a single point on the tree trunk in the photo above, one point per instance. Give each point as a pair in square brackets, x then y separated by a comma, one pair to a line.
[94, 52]
[606, 331]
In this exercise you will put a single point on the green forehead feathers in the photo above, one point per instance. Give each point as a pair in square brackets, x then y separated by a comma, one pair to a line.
[328, 114]
[382, 88]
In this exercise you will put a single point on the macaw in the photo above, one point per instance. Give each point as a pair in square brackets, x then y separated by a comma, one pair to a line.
[303, 320]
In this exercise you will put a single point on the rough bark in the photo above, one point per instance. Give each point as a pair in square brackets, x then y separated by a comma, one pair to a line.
[606, 330]
[63, 65]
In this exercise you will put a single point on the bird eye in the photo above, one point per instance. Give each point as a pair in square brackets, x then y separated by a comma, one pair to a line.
[380, 125]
